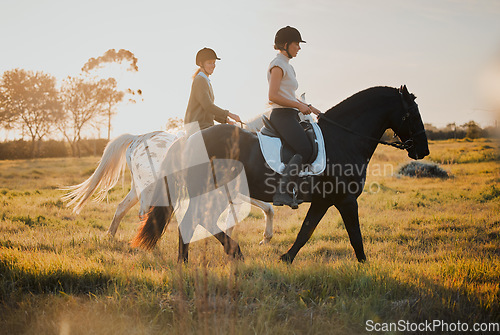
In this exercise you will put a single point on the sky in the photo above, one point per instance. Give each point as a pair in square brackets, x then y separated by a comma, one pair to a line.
[445, 51]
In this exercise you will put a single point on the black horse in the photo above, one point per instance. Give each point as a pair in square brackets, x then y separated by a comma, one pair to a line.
[351, 130]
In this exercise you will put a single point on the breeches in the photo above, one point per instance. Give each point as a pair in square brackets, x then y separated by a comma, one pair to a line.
[286, 122]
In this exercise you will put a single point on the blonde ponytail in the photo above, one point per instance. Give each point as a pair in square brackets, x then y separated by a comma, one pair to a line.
[196, 73]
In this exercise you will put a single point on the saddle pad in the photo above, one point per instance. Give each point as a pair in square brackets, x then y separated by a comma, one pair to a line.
[271, 149]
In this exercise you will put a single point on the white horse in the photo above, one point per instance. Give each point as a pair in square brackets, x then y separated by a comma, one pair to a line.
[143, 155]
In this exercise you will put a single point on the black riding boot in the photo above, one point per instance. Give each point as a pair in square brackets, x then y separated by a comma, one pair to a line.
[287, 183]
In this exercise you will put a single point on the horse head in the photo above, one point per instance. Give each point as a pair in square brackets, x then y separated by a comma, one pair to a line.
[409, 127]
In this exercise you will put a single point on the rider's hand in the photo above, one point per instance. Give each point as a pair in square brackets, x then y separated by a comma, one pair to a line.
[235, 117]
[304, 109]
[315, 110]
[228, 121]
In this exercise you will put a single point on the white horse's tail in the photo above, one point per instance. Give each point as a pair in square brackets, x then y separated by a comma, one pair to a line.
[104, 177]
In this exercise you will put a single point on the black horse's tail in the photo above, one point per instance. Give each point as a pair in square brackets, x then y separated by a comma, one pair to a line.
[153, 225]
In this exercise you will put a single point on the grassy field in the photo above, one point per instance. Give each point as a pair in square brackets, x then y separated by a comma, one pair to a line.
[433, 248]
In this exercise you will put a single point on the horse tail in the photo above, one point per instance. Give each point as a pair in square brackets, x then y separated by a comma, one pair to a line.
[153, 225]
[104, 177]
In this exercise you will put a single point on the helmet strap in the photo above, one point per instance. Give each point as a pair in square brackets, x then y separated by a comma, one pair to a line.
[286, 49]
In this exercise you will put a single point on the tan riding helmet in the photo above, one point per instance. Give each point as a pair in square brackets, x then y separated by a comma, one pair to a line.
[204, 55]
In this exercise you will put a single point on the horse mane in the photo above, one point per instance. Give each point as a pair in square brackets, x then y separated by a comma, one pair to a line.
[359, 101]
[355, 102]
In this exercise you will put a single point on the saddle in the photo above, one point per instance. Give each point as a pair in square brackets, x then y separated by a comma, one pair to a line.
[287, 152]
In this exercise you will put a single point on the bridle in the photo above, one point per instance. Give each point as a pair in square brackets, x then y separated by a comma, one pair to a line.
[411, 110]
[408, 144]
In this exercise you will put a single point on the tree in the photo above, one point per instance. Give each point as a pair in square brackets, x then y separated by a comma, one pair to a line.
[110, 96]
[29, 99]
[110, 93]
[82, 102]
[430, 127]
[473, 130]
[112, 56]
[452, 128]
[6, 114]
[174, 124]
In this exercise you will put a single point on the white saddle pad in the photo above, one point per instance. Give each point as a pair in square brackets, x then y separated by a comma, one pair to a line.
[271, 150]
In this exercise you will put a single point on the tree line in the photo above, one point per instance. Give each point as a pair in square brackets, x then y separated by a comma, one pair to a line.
[470, 130]
[21, 149]
[35, 105]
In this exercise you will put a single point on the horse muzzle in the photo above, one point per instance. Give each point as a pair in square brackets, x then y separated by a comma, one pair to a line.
[418, 152]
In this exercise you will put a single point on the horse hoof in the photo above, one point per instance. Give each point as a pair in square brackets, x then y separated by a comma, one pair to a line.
[286, 259]
[182, 260]
[238, 255]
[266, 240]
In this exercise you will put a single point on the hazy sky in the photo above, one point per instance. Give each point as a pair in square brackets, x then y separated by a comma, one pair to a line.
[437, 48]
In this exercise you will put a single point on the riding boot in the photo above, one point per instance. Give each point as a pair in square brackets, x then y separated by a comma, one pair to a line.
[287, 183]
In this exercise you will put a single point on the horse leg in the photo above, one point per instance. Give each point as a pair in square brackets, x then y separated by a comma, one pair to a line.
[349, 211]
[231, 247]
[313, 217]
[269, 212]
[183, 250]
[123, 207]
[186, 234]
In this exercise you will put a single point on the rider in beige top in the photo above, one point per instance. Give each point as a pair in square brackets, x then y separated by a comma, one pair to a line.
[201, 108]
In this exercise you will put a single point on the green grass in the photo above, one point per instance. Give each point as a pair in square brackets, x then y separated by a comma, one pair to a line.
[433, 247]
[466, 151]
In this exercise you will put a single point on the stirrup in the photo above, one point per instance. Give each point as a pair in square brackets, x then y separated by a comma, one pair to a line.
[295, 199]
[280, 199]
[289, 202]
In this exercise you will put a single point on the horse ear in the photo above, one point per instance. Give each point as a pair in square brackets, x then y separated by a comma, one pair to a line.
[407, 93]
[405, 90]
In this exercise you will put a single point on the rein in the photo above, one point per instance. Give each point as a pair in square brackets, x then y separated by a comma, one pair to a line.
[398, 144]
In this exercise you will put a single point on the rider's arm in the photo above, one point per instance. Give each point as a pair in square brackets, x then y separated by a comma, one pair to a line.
[220, 119]
[235, 117]
[274, 96]
[230, 116]
[315, 110]
[202, 94]
[201, 88]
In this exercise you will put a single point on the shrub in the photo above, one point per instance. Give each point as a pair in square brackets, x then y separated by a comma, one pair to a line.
[489, 194]
[40, 220]
[422, 170]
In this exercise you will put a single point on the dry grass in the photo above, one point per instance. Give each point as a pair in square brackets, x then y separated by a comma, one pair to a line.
[433, 248]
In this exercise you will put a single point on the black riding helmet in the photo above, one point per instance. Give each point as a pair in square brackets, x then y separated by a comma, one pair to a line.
[204, 55]
[285, 36]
